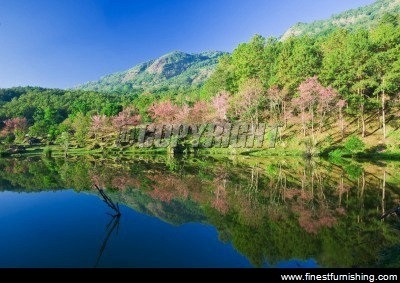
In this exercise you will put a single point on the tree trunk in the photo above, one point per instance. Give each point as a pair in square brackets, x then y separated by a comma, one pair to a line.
[363, 120]
[341, 122]
[362, 114]
[303, 123]
[312, 123]
[383, 116]
[284, 113]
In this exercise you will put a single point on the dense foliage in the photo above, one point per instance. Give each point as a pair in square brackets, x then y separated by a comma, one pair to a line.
[323, 88]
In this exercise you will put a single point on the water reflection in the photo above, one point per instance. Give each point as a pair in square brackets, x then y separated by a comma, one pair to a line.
[271, 210]
[111, 226]
[114, 221]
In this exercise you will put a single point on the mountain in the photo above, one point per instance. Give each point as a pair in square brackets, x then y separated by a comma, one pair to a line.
[180, 70]
[365, 17]
[173, 70]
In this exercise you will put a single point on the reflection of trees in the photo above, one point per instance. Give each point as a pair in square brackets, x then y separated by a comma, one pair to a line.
[220, 200]
[30, 174]
[270, 210]
[311, 212]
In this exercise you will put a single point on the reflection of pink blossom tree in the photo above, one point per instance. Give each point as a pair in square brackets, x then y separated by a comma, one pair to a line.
[311, 221]
[98, 180]
[220, 201]
[167, 188]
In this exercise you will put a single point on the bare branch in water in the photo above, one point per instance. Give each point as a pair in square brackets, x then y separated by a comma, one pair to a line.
[109, 201]
[114, 222]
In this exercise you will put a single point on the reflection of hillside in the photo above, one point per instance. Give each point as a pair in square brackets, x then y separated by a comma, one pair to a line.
[176, 211]
[269, 209]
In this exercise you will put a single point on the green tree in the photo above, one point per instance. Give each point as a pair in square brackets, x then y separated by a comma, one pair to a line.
[46, 123]
[81, 127]
[248, 59]
[223, 77]
[354, 144]
[385, 62]
[64, 141]
[359, 52]
[300, 58]
[111, 109]
[335, 64]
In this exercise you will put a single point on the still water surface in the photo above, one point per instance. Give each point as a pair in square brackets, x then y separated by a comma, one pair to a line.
[198, 212]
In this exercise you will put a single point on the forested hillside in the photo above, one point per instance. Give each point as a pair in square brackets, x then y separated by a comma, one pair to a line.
[363, 17]
[173, 70]
[335, 91]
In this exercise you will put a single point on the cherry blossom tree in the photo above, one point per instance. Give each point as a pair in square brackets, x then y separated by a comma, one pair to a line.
[220, 104]
[127, 117]
[314, 101]
[326, 101]
[164, 111]
[15, 126]
[309, 91]
[247, 102]
[200, 113]
[99, 124]
[278, 104]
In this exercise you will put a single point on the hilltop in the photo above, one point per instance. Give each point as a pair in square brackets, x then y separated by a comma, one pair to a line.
[362, 17]
[173, 70]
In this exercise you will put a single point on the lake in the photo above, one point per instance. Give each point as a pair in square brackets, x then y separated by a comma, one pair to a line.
[198, 212]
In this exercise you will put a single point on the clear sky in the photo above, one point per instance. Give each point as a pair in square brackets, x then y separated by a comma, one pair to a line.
[63, 43]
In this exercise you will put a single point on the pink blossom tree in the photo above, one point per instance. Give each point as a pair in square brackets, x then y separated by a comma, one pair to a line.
[309, 91]
[15, 126]
[246, 103]
[220, 103]
[201, 112]
[164, 111]
[129, 116]
[326, 101]
[316, 100]
[183, 114]
[278, 104]
[99, 124]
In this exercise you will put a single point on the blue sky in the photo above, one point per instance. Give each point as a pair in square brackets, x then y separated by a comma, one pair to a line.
[63, 43]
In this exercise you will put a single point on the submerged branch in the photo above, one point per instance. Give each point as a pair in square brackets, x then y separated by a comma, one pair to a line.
[109, 201]
[114, 222]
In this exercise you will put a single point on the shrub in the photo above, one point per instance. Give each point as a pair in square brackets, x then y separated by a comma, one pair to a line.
[354, 144]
